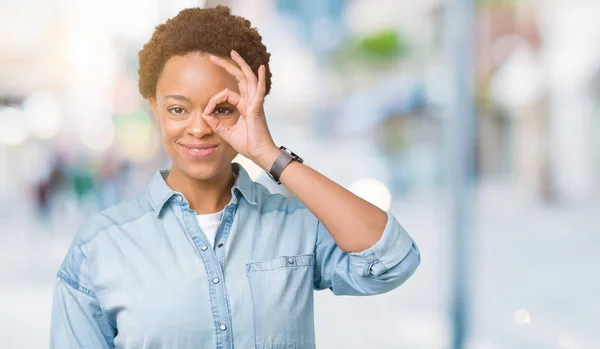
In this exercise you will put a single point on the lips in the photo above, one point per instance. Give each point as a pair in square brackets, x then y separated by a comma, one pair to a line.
[199, 146]
[199, 151]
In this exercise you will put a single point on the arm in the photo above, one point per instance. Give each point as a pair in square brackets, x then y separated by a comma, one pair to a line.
[378, 269]
[354, 223]
[380, 266]
[357, 252]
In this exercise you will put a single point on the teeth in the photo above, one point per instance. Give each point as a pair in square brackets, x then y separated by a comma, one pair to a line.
[198, 150]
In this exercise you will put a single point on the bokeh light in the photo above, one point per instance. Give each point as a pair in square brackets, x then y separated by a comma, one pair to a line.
[13, 129]
[522, 317]
[373, 191]
[134, 136]
[98, 138]
[42, 114]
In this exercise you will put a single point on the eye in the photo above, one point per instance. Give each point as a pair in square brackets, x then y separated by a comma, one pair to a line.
[176, 110]
[222, 111]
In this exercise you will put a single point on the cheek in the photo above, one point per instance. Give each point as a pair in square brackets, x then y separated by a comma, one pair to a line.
[170, 128]
[229, 152]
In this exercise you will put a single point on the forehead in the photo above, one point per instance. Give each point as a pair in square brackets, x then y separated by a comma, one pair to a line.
[193, 76]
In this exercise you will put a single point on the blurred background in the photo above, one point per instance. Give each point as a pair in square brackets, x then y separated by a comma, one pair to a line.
[476, 123]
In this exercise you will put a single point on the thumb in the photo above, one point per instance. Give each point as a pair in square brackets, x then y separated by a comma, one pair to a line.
[216, 125]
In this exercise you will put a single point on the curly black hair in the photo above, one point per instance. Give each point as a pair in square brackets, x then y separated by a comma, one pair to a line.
[211, 31]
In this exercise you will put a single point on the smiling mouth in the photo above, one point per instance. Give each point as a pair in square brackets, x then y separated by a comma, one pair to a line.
[199, 152]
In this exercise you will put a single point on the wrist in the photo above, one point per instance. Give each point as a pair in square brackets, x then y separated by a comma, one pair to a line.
[267, 158]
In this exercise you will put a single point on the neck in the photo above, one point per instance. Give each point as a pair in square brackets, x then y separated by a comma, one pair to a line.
[205, 196]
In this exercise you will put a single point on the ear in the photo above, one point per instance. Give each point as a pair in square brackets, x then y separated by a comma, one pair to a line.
[154, 107]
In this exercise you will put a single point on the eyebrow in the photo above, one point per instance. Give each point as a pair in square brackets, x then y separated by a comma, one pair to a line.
[177, 97]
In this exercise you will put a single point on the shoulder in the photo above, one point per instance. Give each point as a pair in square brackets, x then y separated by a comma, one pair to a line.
[120, 214]
[126, 211]
[74, 266]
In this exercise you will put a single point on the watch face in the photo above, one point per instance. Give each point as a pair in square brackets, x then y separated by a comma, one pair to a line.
[297, 158]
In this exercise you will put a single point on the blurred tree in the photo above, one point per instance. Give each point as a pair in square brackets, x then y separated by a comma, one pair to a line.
[379, 49]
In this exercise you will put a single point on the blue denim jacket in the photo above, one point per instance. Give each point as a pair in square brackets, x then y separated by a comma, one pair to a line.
[142, 274]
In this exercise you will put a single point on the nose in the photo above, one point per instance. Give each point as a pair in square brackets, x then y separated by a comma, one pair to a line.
[197, 126]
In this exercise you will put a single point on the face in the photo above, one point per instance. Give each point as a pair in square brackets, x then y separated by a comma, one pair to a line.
[183, 90]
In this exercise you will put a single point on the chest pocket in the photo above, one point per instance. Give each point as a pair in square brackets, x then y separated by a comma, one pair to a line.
[282, 299]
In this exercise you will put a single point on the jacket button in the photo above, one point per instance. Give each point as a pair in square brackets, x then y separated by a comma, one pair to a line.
[291, 260]
[223, 327]
[204, 248]
[215, 280]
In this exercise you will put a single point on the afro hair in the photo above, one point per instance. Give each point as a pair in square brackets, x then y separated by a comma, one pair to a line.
[210, 31]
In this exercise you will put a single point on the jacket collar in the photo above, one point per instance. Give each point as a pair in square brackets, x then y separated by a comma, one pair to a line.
[160, 192]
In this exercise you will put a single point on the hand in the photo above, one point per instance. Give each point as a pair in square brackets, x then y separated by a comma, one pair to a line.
[250, 136]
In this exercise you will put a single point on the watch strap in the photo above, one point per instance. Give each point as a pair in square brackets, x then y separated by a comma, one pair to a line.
[283, 160]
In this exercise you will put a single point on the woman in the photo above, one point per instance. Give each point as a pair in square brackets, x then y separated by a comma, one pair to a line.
[205, 257]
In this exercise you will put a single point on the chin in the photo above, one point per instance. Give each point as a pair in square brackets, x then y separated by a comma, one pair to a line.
[202, 171]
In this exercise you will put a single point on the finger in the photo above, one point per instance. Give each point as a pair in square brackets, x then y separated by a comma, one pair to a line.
[257, 102]
[247, 72]
[261, 89]
[225, 96]
[235, 71]
[216, 125]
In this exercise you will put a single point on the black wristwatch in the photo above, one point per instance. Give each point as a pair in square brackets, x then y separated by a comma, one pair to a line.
[285, 157]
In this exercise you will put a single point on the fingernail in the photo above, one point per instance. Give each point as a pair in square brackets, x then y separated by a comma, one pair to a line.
[235, 52]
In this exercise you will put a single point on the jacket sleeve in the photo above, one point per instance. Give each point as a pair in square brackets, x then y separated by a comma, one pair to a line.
[77, 321]
[378, 269]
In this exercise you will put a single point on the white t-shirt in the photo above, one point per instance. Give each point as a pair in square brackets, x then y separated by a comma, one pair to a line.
[210, 224]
